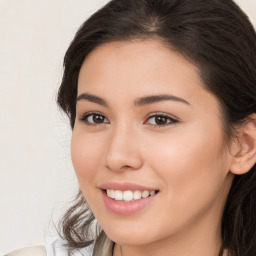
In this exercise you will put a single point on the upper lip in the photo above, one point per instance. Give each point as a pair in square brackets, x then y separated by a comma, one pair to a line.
[125, 186]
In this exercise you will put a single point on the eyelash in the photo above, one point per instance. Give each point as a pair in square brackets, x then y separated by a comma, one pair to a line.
[169, 119]
[85, 117]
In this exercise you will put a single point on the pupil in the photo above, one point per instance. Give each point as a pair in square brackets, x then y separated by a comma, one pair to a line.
[98, 119]
[161, 120]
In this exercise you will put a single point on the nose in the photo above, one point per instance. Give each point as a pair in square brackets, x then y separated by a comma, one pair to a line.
[123, 151]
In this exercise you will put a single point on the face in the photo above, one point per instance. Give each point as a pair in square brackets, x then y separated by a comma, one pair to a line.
[147, 145]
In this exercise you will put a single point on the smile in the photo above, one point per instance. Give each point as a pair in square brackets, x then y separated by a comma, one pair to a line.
[125, 202]
[129, 195]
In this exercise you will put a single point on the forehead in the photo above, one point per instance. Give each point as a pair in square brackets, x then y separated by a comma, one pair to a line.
[139, 68]
[134, 58]
[147, 53]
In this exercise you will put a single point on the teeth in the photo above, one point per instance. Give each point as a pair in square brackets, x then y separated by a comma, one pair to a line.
[136, 195]
[145, 194]
[118, 195]
[152, 192]
[111, 193]
[129, 195]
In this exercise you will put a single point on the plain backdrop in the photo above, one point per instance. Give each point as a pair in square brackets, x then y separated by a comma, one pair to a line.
[37, 181]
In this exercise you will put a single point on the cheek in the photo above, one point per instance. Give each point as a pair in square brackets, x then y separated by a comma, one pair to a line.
[192, 167]
[86, 156]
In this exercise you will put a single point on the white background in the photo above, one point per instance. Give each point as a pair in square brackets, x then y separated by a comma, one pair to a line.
[36, 176]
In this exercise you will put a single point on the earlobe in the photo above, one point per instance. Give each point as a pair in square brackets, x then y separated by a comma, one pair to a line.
[245, 156]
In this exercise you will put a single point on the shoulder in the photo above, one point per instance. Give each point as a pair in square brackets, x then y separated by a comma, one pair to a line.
[30, 251]
[55, 248]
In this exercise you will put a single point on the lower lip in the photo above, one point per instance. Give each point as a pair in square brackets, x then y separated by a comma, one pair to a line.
[126, 208]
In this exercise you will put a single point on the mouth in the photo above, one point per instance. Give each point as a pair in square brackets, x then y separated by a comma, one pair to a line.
[128, 201]
[129, 195]
[124, 198]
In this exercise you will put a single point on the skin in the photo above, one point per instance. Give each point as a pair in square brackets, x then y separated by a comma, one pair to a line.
[187, 160]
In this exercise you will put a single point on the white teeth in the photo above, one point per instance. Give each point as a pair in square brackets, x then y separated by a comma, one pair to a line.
[129, 195]
[112, 193]
[109, 193]
[118, 195]
[152, 192]
[136, 195]
[145, 194]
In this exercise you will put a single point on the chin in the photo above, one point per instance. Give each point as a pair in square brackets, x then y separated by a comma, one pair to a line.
[129, 240]
[131, 236]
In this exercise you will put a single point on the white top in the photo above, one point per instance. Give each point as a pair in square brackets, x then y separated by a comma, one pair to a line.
[57, 249]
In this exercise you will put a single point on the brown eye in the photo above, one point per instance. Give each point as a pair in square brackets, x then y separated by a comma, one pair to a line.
[93, 119]
[161, 120]
[98, 119]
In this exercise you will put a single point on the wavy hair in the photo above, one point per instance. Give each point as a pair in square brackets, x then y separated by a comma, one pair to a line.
[216, 36]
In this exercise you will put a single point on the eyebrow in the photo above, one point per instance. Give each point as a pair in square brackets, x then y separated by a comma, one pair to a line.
[92, 98]
[158, 98]
[139, 102]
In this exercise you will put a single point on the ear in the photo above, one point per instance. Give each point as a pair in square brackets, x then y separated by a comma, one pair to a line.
[244, 152]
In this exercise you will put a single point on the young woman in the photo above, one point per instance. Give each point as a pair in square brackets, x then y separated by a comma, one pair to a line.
[161, 96]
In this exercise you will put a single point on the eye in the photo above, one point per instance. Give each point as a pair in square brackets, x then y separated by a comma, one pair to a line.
[94, 119]
[160, 120]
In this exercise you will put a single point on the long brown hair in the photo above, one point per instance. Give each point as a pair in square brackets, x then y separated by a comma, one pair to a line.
[219, 39]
